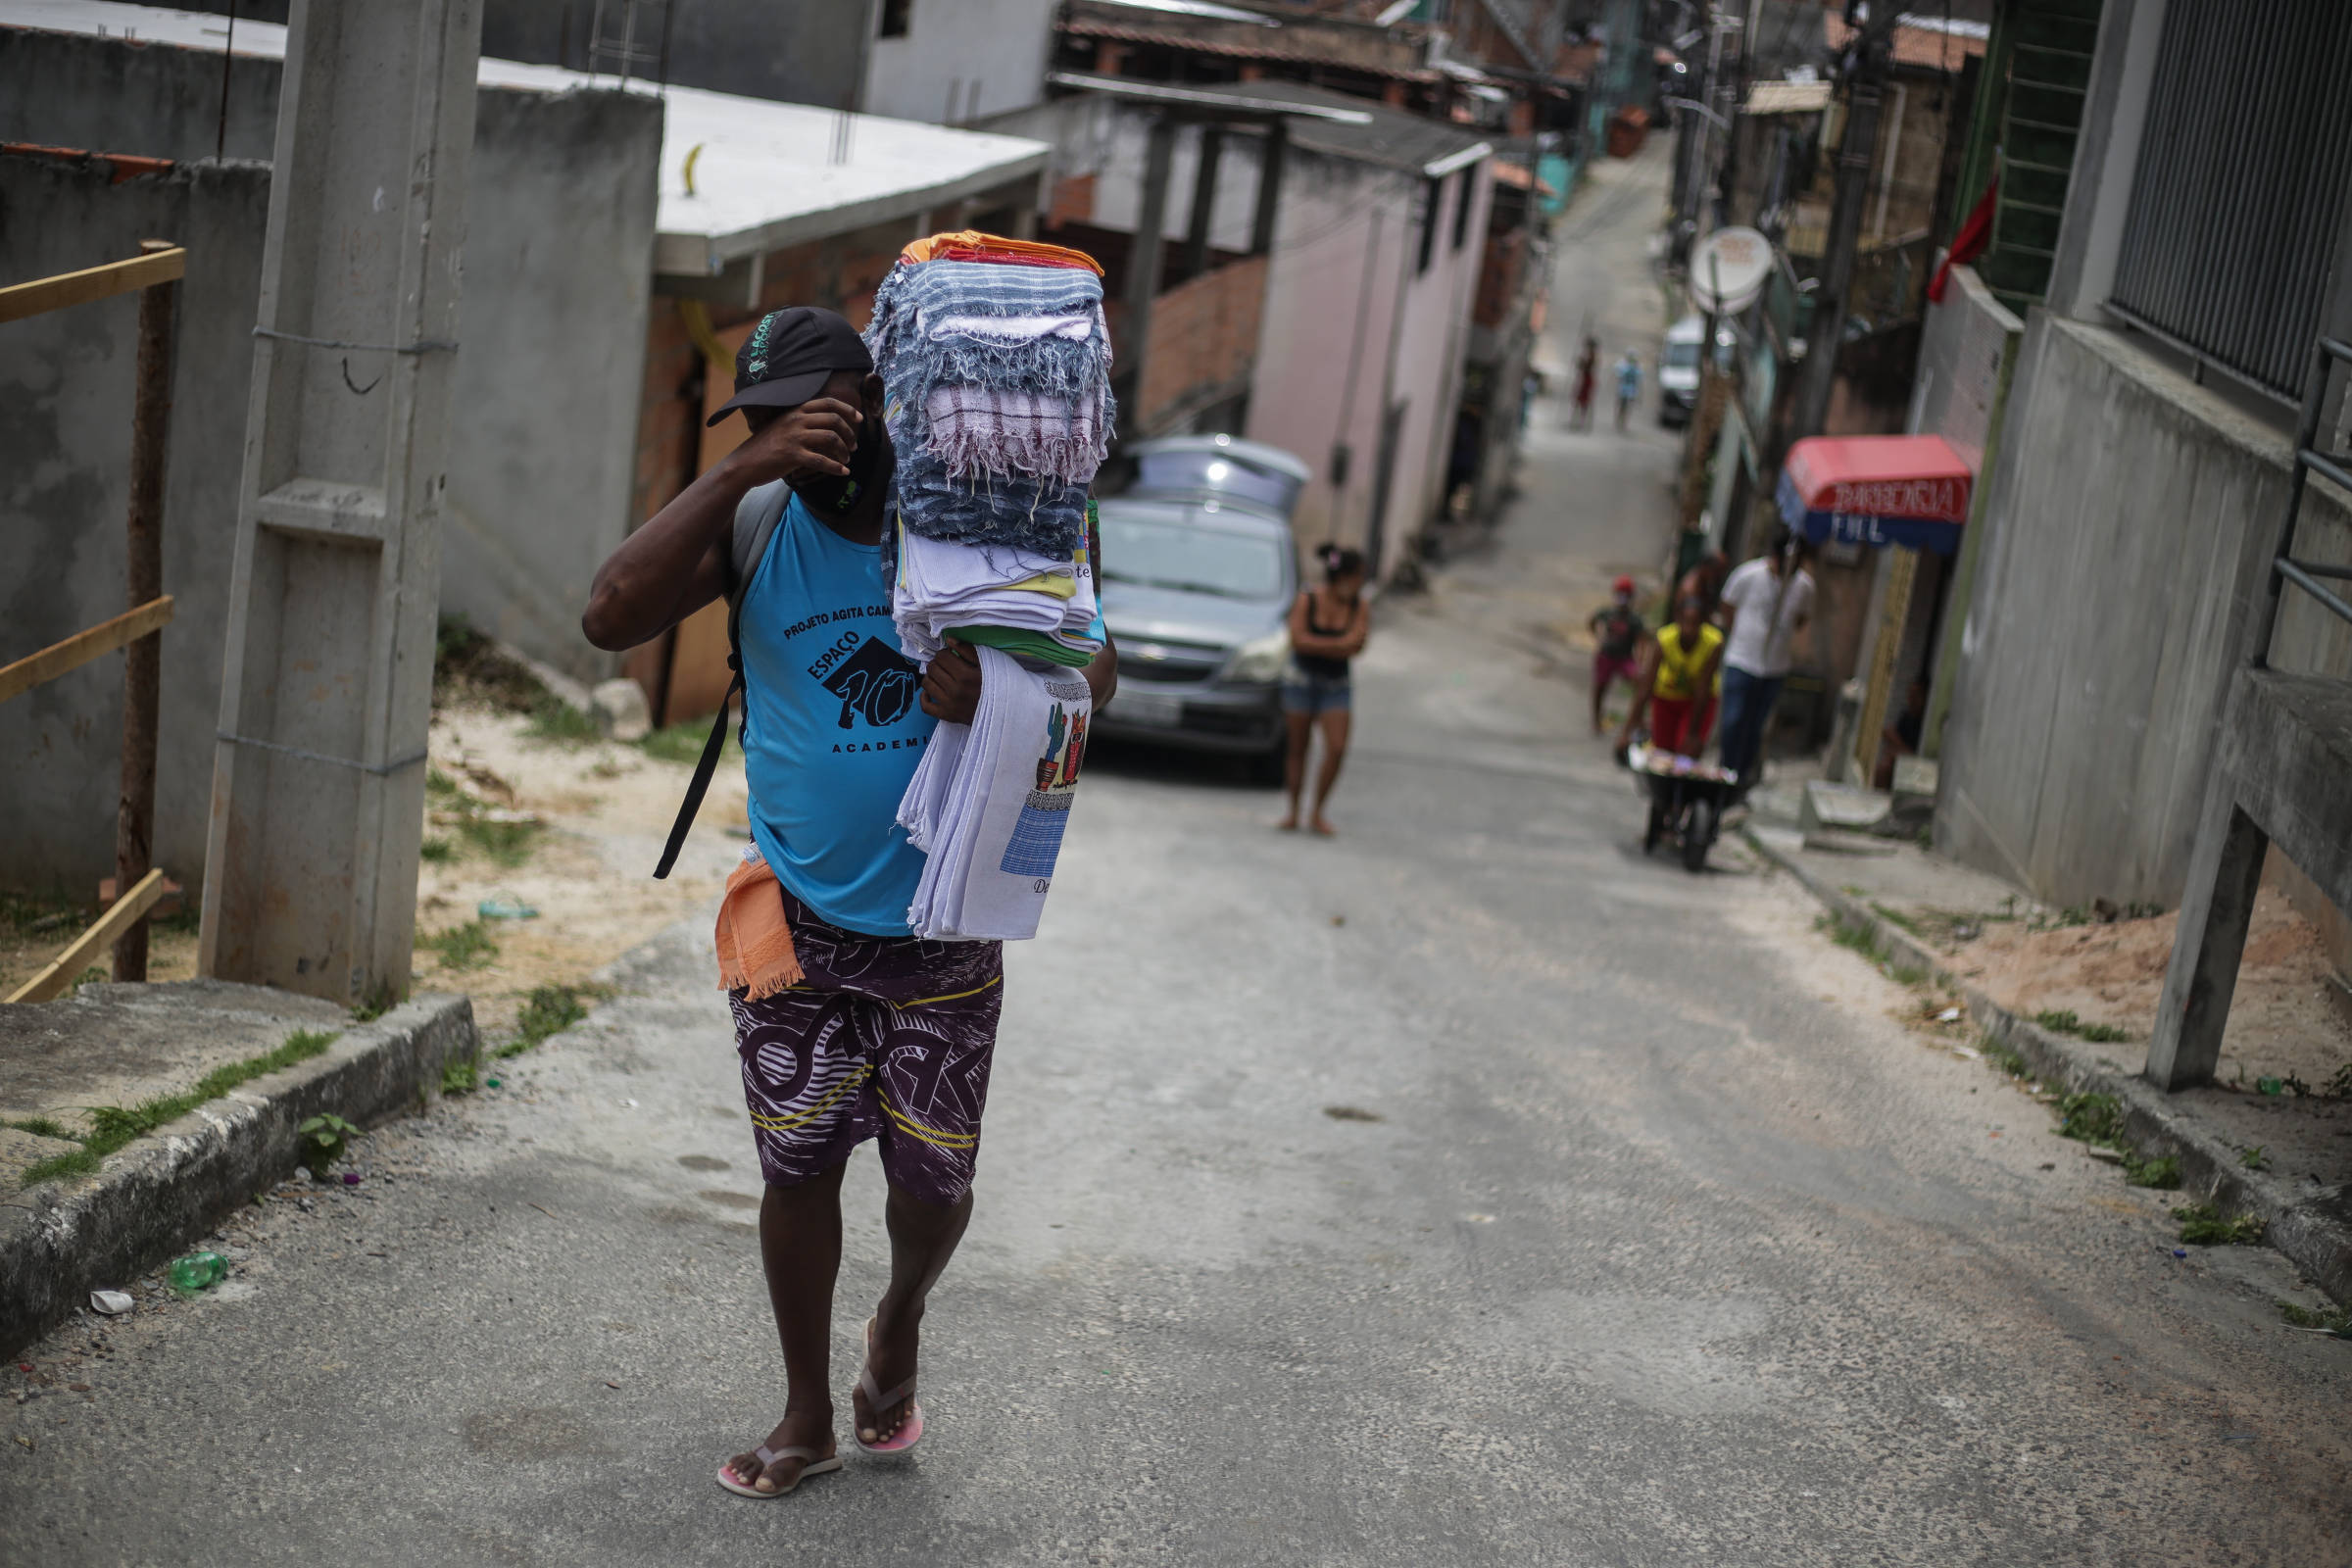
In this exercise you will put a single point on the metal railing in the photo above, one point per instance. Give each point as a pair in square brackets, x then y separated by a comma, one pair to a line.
[155, 274]
[2309, 459]
[2239, 190]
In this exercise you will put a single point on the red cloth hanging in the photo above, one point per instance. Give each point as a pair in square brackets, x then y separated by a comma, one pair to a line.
[1969, 243]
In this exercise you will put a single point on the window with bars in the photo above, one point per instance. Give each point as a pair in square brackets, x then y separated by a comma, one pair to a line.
[2240, 188]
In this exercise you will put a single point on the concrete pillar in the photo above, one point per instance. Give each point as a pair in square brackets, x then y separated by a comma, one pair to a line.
[1270, 187]
[1143, 272]
[318, 773]
[2224, 873]
[1204, 201]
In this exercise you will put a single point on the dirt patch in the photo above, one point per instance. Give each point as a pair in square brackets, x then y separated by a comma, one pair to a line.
[2282, 1020]
[568, 828]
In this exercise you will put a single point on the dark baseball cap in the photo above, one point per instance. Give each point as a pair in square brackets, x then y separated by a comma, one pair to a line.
[789, 357]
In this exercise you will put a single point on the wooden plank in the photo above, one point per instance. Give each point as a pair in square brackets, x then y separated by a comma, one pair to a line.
[126, 912]
[42, 294]
[84, 646]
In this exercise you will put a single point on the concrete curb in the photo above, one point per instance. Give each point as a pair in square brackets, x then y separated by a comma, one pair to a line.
[62, 1239]
[2311, 1232]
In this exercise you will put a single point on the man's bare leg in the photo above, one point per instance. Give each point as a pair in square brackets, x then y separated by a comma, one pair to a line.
[800, 1246]
[923, 1238]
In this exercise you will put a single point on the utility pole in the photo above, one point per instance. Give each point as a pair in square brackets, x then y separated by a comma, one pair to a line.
[327, 689]
[1866, 77]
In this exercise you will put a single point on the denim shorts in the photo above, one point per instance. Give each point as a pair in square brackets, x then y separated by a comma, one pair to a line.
[1303, 693]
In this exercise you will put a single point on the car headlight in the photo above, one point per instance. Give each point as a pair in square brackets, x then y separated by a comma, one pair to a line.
[1260, 663]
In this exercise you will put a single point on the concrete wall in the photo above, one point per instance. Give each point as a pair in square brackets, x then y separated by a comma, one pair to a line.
[543, 445]
[65, 421]
[559, 225]
[960, 61]
[804, 52]
[2125, 541]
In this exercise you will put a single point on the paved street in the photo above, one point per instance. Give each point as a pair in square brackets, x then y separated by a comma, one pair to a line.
[1661, 1237]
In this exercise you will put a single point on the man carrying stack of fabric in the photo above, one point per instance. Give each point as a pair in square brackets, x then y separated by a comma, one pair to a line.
[849, 1026]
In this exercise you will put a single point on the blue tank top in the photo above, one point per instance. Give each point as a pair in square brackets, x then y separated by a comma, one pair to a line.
[832, 725]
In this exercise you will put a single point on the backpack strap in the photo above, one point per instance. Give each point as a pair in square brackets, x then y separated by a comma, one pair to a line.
[756, 518]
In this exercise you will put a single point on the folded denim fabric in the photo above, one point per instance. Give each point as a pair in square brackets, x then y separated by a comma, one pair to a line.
[1033, 511]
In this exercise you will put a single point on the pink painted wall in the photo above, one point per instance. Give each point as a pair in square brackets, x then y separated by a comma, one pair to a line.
[1350, 328]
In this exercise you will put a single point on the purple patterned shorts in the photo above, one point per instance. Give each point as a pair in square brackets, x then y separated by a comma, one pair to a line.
[886, 1037]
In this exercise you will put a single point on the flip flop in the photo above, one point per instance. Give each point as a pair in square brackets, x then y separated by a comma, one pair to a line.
[767, 1456]
[911, 1432]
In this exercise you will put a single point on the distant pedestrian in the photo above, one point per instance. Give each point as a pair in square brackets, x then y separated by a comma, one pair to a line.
[1329, 623]
[1629, 385]
[1766, 603]
[1618, 634]
[1705, 579]
[1588, 371]
[1677, 685]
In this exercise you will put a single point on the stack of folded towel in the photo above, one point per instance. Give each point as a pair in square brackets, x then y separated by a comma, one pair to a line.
[999, 596]
[995, 364]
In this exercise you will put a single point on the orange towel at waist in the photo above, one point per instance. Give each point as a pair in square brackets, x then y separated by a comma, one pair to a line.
[754, 942]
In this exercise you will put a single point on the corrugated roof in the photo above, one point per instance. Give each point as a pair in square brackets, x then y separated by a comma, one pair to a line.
[761, 178]
[1393, 138]
[1128, 32]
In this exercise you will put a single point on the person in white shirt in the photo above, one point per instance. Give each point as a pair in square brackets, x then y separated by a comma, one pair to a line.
[1766, 602]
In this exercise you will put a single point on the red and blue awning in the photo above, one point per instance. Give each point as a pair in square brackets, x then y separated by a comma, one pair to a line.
[1877, 490]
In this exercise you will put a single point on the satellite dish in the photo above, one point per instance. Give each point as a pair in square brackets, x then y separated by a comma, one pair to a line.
[1728, 269]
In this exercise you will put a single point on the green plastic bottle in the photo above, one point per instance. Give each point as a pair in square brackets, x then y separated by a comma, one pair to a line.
[198, 1272]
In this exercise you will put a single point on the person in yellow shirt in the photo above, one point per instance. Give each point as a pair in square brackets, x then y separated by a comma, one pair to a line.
[1678, 682]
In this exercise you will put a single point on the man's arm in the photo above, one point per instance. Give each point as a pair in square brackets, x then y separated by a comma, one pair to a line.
[677, 563]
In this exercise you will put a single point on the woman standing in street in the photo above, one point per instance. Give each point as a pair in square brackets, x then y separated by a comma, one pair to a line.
[1587, 368]
[1328, 627]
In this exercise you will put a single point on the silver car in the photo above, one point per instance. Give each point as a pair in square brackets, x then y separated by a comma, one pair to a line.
[1198, 595]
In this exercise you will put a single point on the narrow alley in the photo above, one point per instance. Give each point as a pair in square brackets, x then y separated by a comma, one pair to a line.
[1466, 1188]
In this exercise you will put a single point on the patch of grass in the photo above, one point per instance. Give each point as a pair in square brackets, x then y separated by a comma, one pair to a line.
[683, 743]
[2337, 1320]
[510, 844]
[2339, 1082]
[2163, 1172]
[2067, 1023]
[2010, 1063]
[437, 849]
[464, 947]
[549, 1011]
[461, 1077]
[1906, 974]
[30, 916]
[469, 668]
[2204, 1225]
[557, 720]
[1852, 935]
[374, 1005]
[2091, 1119]
[94, 973]
[112, 1126]
[43, 1127]
[1895, 917]
[2256, 1159]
